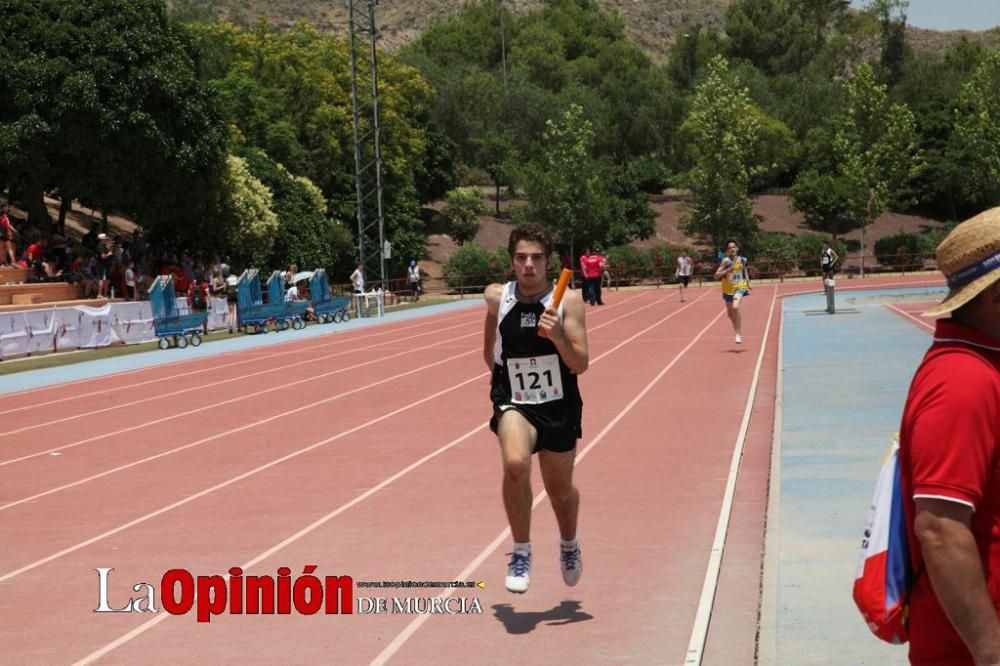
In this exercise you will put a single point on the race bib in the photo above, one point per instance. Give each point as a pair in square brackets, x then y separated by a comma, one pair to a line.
[535, 379]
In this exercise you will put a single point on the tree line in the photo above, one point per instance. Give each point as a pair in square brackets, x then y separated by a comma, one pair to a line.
[238, 139]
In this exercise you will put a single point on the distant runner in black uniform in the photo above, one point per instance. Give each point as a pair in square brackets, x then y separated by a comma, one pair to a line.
[536, 401]
[827, 260]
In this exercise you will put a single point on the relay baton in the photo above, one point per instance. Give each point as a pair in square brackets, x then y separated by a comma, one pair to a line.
[564, 277]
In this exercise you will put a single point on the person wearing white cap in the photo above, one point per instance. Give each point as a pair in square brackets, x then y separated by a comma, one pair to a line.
[950, 459]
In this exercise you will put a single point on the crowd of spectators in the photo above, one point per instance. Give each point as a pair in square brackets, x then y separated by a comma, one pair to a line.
[107, 265]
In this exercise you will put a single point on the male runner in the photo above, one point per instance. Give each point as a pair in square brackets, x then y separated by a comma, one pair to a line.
[685, 267]
[735, 284]
[536, 402]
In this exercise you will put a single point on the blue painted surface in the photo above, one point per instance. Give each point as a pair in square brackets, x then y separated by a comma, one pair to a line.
[47, 377]
[845, 379]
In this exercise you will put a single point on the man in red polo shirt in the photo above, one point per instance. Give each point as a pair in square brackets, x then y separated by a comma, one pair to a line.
[950, 460]
[593, 267]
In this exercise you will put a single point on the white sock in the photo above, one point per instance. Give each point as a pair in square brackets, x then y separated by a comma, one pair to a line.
[522, 547]
[571, 544]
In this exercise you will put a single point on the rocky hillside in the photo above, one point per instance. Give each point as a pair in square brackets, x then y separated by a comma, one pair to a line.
[653, 24]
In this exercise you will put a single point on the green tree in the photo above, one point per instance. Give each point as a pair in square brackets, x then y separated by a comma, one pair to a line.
[563, 185]
[724, 130]
[497, 154]
[245, 217]
[891, 15]
[102, 101]
[461, 211]
[288, 92]
[876, 147]
[977, 127]
[583, 200]
[305, 234]
[823, 199]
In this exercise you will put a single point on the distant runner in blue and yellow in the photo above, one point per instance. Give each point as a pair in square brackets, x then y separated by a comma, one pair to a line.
[735, 284]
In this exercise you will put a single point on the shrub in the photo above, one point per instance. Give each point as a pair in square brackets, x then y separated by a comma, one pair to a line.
[628, 264]
[472, 265]
[905, 251]
[462, 207]
[774, 254]
[663, 261]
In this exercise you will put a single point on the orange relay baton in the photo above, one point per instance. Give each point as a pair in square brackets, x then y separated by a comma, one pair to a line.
[564, 278]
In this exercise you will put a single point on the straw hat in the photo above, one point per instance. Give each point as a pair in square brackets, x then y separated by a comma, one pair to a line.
[969, 257]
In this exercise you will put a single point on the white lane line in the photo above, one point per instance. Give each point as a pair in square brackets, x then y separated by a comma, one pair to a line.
[215, 405]
[117, 407]
[767, 644]
[909, 316]
[339, 339]
[226, 433]
[230, 481]
[289, 456]
[212, 406]
[696, 645]
[929, 282]
[417, 622]
[149, 624]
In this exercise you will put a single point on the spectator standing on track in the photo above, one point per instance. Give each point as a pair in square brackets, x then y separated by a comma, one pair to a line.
[828, 258]
[950, 459]
[584, 258]
[598, 263]
[735, 285]
[592, 264]
[685, 267]
[536, 400]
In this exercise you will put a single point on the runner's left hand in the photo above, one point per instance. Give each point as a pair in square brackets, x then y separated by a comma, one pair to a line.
[549, 322]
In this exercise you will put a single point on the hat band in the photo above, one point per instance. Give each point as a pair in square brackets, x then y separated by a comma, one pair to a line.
[972, 273]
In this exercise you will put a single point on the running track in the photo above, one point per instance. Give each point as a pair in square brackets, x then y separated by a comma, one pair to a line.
[367, 454]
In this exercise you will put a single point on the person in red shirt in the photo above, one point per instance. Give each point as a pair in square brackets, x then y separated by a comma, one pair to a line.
[7, 232]
[584, 258]
[35, 252]
[595, 271]
[950, 460]
[198, 294]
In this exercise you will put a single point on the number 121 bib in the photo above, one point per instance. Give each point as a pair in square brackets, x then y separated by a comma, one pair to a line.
[535, 379]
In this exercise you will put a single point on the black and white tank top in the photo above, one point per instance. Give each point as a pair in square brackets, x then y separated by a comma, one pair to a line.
[528, 371]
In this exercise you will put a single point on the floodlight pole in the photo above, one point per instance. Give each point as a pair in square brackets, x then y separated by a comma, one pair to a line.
[367, 141]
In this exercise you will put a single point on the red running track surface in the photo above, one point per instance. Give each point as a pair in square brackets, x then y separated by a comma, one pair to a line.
[366, 454]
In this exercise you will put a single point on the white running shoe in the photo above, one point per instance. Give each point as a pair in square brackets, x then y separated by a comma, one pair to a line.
[571, 562]
[739, 339]
[518, 572]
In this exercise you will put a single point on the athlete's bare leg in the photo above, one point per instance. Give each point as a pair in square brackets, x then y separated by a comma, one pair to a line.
[733, 310]
[557, 474]
[517, 440]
